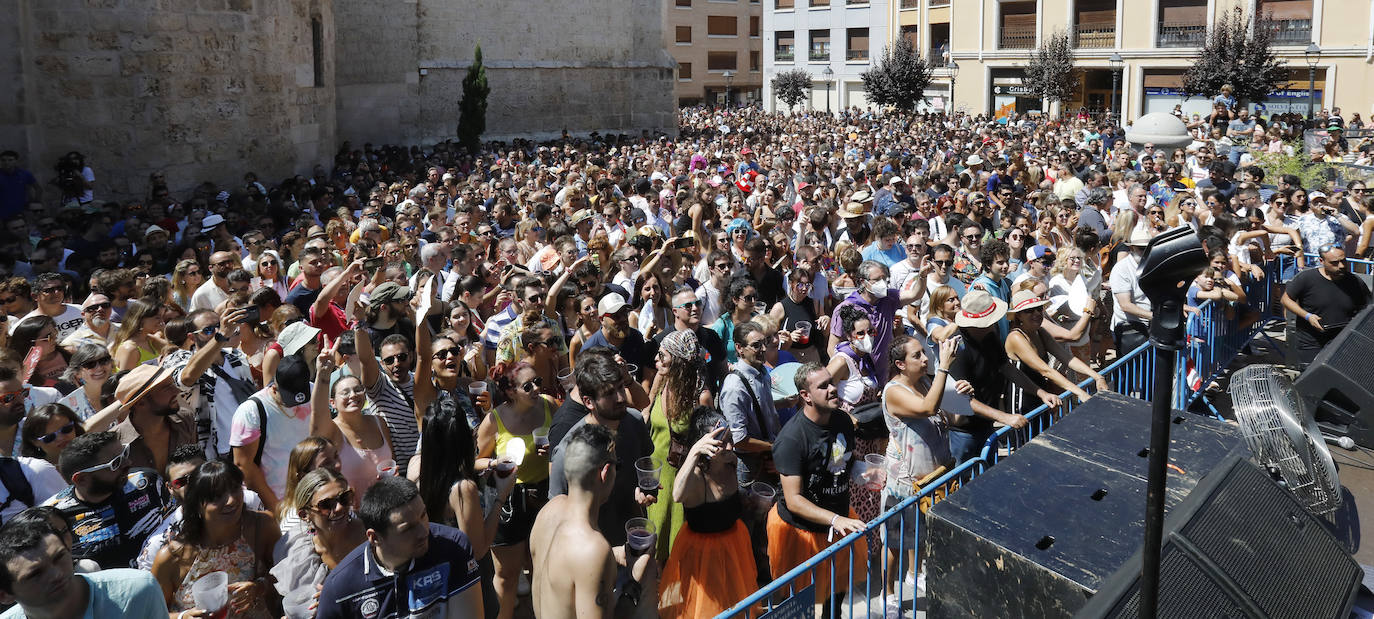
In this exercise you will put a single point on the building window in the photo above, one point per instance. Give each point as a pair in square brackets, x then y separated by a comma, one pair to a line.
[754, 25]
[820, 46]
[722, 26]
[912, 34]
[784, 5]
[784, 47]
[722, 61]
[1095, 24]
[856, 44]
[317, 49]
[1018, 25]
[1182, 23]
[1292, 20]
[820, 3]
[753, 61]
[684, 71]
[684, 34]
[684, 3]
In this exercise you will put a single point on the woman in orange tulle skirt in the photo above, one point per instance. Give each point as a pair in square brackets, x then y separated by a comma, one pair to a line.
[711, 566]
[789, 546]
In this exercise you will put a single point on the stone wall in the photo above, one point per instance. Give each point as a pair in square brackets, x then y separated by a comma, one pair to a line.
[203, 90]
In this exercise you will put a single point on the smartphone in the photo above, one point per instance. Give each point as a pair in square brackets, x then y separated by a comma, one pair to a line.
[252, 315]
[683, 243]
[372, 264]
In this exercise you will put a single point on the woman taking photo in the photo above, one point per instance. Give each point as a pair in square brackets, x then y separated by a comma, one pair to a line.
[218, 534]
[1032, 346]
[38, 333]
[139, 339]
[677, 386]
[712, 563]
[186, 278]
[526, 410]
[328, 510]
[362, 441]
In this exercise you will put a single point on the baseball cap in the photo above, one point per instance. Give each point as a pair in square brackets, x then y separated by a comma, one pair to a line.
[293, 380]
[1039, 251]
[610, 304]
[388, 291]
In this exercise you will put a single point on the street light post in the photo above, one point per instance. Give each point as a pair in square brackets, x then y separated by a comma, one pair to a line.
[1313, 55]
[1116, 61]
[729, 77]
[829, 76]
[953, 73]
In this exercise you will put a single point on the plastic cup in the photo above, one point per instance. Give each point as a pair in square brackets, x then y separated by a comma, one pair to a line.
[541, 437]
[211, 592]
[877, 471]
[760, 308]
[805, 328]
[566, 379]
[476, 389]
[761, 497]
[648, 468]
[386, 468]
[640, 535]
[505, 465]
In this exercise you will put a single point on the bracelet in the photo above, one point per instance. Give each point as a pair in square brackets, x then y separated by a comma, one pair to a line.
[833, 519]
[1307, 316]
[182, 614]
[938, 370]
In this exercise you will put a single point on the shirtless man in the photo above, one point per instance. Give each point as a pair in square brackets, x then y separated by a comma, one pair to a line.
[565, 540]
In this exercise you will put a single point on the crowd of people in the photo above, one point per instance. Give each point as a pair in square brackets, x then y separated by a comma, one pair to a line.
[618, 375]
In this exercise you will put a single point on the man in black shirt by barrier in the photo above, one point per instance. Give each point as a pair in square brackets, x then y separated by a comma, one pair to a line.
[1324, 300]
[982, 371]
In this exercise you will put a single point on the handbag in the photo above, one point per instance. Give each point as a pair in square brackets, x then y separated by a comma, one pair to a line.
[870, 424]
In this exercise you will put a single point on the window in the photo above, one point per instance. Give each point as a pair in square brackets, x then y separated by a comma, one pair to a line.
[684, 71]
[912, 34]
[684, 34]
[1292, 20]
[684, 3]
[1018, 25]
[784, 47]
[721, 26]
[722, 61]
[317, 50]
[754, 61]
[820, 45]
[784, 5]
[1182, 23]
[753, 25]
[820, 3]
[856, 44]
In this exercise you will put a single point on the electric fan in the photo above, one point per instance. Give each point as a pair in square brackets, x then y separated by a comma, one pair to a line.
[1283, 437]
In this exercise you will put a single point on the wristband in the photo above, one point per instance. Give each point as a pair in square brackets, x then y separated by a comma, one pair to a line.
[938, 370]
[1307, 316]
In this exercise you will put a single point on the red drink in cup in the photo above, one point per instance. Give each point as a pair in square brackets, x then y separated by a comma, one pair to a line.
[804, 332]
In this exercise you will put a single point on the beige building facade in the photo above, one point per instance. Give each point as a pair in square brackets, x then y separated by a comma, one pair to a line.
[990, 41]
[718, 47]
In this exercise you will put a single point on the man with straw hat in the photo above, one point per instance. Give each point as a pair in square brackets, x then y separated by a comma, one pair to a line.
[981, 371]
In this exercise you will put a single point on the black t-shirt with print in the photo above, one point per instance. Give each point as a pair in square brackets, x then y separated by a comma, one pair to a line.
[821, 456]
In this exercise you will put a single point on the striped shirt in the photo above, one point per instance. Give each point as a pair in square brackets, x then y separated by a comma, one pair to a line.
[396, 404]
[496, 324]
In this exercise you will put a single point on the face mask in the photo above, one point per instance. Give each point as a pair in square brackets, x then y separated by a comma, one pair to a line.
[862, 344]
[878, 289]
[842, 292]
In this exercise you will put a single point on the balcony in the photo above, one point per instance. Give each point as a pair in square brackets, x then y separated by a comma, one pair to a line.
[1089, 36]
[784, 56]
[1016, 38]
[819, 55]
[1292, 31]
[1181, 34]
[856, 54]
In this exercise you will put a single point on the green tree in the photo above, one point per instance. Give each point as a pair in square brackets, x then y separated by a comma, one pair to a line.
[900, 77]
[1238, 51]
[792, 87]
[1050, 74]
[472, 117]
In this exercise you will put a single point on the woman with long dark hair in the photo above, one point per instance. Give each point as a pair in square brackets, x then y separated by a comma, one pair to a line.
[47, 430]
[139, 339]
[218, 533]
[677, 385]
[39, 332]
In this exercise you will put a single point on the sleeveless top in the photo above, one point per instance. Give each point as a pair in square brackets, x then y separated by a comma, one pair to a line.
[714, 517]
[359, 466]
[916, 446]
[534, 468]
[237, 560]
[793, 313]
[856, 388]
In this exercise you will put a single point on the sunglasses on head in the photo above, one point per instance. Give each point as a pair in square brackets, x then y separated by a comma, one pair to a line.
[48, 438]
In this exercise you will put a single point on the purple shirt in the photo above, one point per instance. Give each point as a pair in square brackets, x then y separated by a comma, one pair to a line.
[882, 315]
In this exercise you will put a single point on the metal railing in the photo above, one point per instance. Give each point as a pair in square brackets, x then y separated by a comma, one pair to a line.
[1094, 37]
[1292, 31]
[1181, 34]
[856, 54]
[1016, 38]
[819, 55]
[781, 56]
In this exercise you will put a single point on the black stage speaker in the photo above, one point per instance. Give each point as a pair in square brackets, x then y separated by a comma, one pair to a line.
[1038, 534]
[1332, 387]
[1240, 546]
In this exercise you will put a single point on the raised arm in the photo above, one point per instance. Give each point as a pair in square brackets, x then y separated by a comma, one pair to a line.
[321, 423]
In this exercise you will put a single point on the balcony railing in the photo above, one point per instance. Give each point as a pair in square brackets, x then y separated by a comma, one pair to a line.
[819, 55]
[856, 54]
[1094, 37]
[1292, 31]
[784, 56]
[1181, 34]
[1016, 38]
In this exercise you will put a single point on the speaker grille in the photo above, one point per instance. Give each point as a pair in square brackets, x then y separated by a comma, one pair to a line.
[1186, 592]
[1290, 542]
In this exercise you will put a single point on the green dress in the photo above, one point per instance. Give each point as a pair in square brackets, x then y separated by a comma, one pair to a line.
[665, 513]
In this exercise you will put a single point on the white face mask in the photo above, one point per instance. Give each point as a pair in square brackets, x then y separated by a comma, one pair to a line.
[878, 289]
[862, 344]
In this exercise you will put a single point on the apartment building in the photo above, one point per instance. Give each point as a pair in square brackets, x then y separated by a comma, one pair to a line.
[1145, 44]
[834, 40]
[718, 46]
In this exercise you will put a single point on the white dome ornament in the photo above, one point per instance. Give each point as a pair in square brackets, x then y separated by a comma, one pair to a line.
[1161, 129]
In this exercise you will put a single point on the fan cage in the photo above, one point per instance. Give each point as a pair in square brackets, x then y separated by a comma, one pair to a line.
[1271, 420]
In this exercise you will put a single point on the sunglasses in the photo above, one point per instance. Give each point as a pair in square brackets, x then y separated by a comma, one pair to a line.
[95, 363]
[396, 358]
[11, 397]
[446, 353]
[332, 503]
[112, 465]
[8, 300]
[48, 438]
[210, 330]
[689, 305]
[532, 384]
[180, 482]
[51, 290]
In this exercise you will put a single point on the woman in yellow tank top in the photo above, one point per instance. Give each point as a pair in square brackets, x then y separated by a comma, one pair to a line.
[139, 339]
[526, 410]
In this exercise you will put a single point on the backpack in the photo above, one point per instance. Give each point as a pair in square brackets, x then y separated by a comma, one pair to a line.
[262, 429]
[12, 476]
